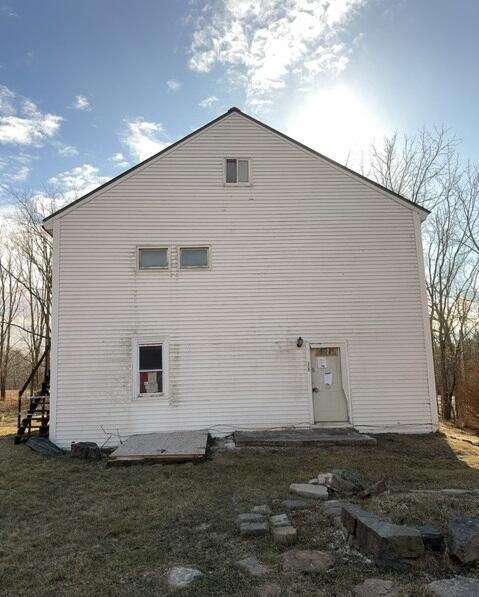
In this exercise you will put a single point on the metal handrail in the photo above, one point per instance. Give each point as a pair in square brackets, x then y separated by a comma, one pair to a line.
[27, 383]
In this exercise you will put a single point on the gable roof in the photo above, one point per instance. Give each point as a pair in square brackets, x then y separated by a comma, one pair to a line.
[408, 202]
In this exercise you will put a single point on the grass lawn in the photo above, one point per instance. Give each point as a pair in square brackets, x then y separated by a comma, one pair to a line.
[74, 528]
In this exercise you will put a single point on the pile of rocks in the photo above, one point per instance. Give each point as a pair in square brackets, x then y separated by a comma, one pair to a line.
[337, 482]
[260, 522]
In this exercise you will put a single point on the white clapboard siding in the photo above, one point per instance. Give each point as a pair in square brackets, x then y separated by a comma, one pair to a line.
[308, 250]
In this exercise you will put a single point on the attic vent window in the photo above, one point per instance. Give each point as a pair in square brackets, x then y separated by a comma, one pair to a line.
[237, 171]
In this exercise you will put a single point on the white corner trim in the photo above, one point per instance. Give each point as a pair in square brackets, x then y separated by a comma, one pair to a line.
[426, 325]
[54, 330]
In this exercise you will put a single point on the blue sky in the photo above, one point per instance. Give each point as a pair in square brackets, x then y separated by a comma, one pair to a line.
[91, 87]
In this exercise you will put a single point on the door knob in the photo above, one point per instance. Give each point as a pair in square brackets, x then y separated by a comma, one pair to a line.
[315, 390]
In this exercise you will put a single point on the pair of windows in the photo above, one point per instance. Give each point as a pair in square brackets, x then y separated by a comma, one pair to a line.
[157, 258]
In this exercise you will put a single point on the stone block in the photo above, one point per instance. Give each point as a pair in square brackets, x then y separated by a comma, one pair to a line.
[264, 509]
[250, 517]
[252, 566]
[332, 507]
[294, 504]
[286, 535]
[319, 492]
[382, 539]
[463, 539]
[433, 538]
[377, 587]
[460, 586]
[279, 520]
[254, 529]
[179, 577]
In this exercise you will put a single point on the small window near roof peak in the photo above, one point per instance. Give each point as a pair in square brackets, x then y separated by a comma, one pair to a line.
[237, 171]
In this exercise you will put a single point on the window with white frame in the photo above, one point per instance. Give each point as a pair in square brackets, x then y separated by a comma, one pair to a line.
[150, 369]
[194, 257]
[152, 258]
[237, 171]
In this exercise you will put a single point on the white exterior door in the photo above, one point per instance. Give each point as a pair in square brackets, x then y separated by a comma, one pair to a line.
[329, 400]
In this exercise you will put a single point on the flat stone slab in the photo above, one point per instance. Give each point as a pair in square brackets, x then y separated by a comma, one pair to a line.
[254, 529]
[304, 437]
[377, 587]
[250, 517]
[176, 446]
[294, 504]
[446, 492]
[463, 538]
[307, 561]
[179, 577]
[319, 492]
[263, 509]
[460, 586]
[333, 507]
[286, 535]
[279, 520]
[252, 566]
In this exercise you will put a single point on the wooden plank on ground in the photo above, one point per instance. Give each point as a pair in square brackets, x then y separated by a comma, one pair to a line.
[174, 446]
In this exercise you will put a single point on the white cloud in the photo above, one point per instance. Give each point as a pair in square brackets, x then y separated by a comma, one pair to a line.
[262, 44]
[82, 103]
[66, 151]
[7, 11]
[173, 85]
[12, 173]
[120, 160]
[7, 101]
[77, 181]
[144, 138]
[15, 168]
[208, 101]
[21, 174]
[22, 123]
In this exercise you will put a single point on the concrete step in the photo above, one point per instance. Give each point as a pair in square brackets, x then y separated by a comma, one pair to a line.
[303, 437]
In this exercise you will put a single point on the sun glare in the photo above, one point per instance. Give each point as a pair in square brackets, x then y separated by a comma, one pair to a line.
[337, 122]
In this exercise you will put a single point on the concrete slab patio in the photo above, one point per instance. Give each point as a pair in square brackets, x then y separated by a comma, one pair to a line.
[176, 446]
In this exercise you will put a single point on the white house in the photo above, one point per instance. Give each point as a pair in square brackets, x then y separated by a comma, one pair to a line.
[239, 280]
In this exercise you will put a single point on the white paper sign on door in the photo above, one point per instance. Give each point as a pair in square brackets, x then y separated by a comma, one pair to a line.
[322, 363]
[328, 379]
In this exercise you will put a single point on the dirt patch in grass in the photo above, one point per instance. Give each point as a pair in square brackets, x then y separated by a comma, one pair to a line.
[78, 528]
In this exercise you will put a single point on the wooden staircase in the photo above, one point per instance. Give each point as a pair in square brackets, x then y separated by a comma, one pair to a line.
[34, 411]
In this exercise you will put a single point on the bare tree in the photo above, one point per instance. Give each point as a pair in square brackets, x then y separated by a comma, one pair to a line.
[9, 306]
[416, 166]
[426, 168]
